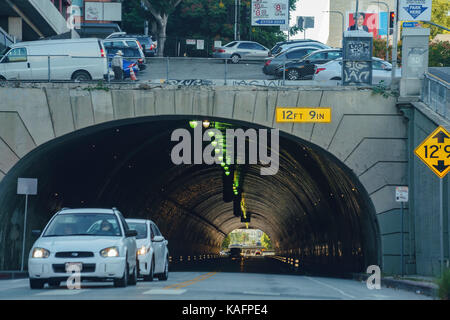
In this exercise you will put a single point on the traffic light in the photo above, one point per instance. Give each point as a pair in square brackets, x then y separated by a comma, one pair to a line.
[391, 19]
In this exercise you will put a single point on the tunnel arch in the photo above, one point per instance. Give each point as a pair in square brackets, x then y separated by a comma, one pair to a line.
[310, 235]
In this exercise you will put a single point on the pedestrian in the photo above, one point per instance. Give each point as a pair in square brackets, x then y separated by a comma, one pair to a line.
[117, 65]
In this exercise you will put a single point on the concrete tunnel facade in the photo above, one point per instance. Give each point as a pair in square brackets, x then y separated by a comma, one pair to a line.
[103, 151]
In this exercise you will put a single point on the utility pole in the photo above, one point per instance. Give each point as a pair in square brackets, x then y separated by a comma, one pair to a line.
[394, 46]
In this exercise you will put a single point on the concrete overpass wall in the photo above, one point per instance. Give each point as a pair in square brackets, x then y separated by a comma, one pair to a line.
[367, 132]
[425, 196]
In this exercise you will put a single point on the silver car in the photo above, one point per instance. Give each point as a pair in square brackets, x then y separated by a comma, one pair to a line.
[381, 71]
[241, 50]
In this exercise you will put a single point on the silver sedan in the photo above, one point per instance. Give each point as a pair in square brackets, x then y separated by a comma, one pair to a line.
[241, 50]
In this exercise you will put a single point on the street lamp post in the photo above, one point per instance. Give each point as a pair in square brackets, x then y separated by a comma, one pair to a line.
[387, 26]
[235, 20]
[343, 22]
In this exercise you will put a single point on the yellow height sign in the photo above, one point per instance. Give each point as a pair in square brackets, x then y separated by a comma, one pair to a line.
[435, 151]
[291, 114]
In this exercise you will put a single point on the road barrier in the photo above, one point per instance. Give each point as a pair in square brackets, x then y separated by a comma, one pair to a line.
[436, 95]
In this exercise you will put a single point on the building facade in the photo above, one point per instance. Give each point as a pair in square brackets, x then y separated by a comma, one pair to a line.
[376, 18]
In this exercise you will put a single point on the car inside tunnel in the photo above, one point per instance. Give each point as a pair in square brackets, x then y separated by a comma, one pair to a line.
[314, 208]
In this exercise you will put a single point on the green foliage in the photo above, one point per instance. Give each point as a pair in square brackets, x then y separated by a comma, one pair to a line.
[226, 242]
[439, 54]
[439, 15]
[133, 16]
[203, 19]
[384, 91]
[444, 285]
[266, 242]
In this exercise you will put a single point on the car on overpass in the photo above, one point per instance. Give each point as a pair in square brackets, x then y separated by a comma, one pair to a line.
[65, 59]
[381, 71]
[153, 253]
[286, 45]
[241, 50]
[304, 68]
[147, 43]
[96, 243]
[272, 64]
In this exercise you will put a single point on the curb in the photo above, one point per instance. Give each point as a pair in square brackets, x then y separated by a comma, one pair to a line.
[425, 288]
[10, 275]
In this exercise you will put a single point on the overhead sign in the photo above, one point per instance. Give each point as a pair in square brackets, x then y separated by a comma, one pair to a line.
[27, 186]
[191, 41]
[270, 12]
[434, 151]
[305, 115]
[415, 10]
[401, 194]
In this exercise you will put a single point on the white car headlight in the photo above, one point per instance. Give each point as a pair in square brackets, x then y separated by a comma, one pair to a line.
[143, 250]
[110, 252]
[40, 253]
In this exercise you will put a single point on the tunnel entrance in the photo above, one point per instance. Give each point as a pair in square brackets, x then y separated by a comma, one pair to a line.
[313, 208]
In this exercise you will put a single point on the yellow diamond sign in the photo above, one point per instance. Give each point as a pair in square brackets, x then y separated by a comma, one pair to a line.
[435, 151]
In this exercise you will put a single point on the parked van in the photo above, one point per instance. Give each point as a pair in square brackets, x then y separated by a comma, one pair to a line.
[70, 59]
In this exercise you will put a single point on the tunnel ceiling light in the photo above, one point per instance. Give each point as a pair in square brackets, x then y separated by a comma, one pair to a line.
[222, 163]
[211, 133]
[193, 124]
[221, 159]
[226, 168]
[217, 151]
[214, 143]
[227, 173]
[206, 124]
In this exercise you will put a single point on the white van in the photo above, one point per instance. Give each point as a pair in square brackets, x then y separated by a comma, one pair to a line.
[70, 59]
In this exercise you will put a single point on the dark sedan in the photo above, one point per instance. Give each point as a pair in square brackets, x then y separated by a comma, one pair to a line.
[272, 64]
[304, 69]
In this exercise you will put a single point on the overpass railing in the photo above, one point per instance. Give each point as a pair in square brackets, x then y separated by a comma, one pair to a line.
[435, 94]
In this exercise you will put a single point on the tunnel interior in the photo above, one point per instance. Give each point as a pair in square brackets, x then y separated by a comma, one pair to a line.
[314, 208]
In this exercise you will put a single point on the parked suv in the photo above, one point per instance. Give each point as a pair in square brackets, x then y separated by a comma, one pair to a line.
[286, 45]
[147, 43]
[97, 241]
[153, 254]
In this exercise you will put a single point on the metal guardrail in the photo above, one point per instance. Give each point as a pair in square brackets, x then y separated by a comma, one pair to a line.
[168, 61]
[436, 95]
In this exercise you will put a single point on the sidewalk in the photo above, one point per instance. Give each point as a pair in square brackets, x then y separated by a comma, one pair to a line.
[8, 275]
[415, 283]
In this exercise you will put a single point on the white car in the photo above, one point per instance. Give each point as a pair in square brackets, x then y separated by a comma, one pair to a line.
[68, 59]
[381, 71]
[153, 254]
[97, 241]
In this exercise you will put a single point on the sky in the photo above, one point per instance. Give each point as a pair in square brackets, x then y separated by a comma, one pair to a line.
[315, 9]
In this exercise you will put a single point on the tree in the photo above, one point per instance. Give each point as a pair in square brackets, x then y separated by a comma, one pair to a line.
[160, 10]
[265, 241]
[226, 242]
[440, 15]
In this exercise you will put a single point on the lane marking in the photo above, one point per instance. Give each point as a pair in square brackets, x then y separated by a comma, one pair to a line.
[190, 282]
[165, 291]
[62, 292]
[332, 287]
[262, 293]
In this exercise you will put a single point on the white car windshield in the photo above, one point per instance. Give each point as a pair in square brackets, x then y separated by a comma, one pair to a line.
[141, 229]
[83, 224]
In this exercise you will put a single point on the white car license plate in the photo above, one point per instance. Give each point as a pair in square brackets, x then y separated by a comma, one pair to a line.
[77, 265]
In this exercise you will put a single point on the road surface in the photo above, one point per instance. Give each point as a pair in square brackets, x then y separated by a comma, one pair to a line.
[251, 279]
